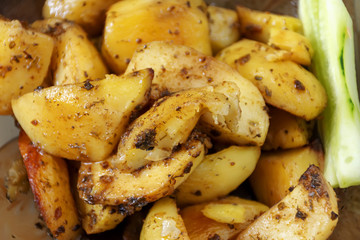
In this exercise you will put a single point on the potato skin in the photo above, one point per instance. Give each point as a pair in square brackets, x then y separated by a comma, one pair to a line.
[309, 211]
[24, 61]
[132, 23]
[283, 84]
[49, 181]
[83, 121]
[90, 14]
[279, 171]
[75, 58]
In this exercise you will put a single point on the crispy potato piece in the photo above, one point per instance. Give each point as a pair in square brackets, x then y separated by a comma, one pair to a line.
[218, 174]
[24, 61]
[164, 222]
[75, 58]
[287, 131]
[102, 182]
[154, 135]
[97, 218]
[257, 25]
[16, 180]
[283, 84]
[90, 14]
[201, 227]
[233, 210]
[83, 121]
[179, 67]
[49, 181]
[310, 211]
[298, 46]
[278, 172]
[130, 23]
[224, 27]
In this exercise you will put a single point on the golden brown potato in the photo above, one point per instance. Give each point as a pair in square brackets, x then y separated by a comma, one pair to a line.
[179, 67]
[201, 227]
[75, 58]
[218, 174]
[164, 222]
[133, 23]
[24, 61]
[16, 181]
[278, 172]
[82, 121]
[49, 181]
[283, 84]
[224, 27]
[102, 182]
[287, 131]
[97, 218]
[257, 25]
[298, 46]
[154, 135]
[90, 14]
[310, 211]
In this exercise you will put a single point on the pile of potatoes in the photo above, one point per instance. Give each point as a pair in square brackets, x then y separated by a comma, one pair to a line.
[172, 104]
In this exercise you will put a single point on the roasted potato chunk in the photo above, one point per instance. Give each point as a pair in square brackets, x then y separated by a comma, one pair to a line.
[49, 181]
[283, 83]
[102, 182]
[309, 211]
[224, 27]
[298, 46]
[75, 58]
[97, 218]
[287, 131]
[82, 121]
[90, 14]
[201, 227]
[154, 135]
[278, 172]
[133, 23]
[24, 61]
[218, 174]
[257, 25]
[164, 222]
[179, 67]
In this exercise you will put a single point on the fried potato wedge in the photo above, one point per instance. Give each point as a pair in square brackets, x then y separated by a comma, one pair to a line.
[298, 46]
[102, 182]
[89, 14]
[287, 131]
[75, 58]
[278, 172]
[310, 211]
[49, 181]
[133, 23]
[154, 135]
[201, 227]
[24, 61]
[257, 25]
[283, 83]
[218, 174]
[83, 121]
[97, 218]
[224, 27]
[164, 222]
[179, 67]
